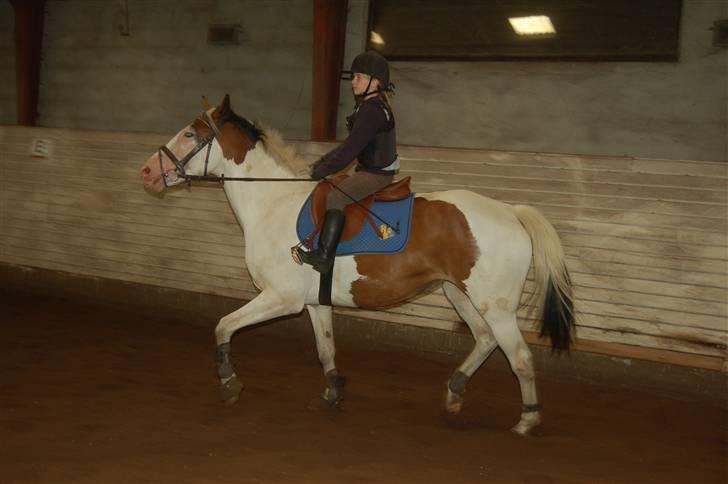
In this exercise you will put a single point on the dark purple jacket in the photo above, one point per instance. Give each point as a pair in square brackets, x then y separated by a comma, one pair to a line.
[372, 141]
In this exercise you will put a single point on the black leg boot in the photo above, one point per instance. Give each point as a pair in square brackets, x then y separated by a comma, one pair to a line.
[322, 259]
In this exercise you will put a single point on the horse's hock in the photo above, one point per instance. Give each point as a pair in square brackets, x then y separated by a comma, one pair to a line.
[645, 239]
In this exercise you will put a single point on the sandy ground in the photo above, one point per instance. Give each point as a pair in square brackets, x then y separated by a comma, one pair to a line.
[94, 395]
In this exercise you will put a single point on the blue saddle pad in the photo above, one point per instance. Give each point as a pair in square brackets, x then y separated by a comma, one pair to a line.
[398, 214]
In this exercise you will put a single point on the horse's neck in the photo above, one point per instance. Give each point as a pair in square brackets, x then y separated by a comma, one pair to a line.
[254, 202]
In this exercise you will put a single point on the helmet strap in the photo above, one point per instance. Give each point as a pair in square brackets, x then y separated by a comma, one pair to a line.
[360, 97]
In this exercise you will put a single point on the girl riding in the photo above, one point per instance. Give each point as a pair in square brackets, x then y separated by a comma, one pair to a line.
[371, 141]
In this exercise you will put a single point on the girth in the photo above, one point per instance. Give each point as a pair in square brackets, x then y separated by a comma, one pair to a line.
[356, 214]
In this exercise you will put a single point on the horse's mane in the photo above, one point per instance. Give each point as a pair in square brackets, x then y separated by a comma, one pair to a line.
[282, 153]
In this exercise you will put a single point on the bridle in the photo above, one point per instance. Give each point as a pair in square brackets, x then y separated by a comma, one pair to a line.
[179, 165]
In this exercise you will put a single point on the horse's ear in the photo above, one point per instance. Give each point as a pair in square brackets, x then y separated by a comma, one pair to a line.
[225, 105]
[205, 103]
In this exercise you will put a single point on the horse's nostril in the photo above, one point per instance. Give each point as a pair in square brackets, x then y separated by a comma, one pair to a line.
[146, 170]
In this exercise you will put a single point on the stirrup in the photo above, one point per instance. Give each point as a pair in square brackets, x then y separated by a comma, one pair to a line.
[313, 258]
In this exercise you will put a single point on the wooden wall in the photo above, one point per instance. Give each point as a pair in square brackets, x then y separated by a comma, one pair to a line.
[645, 239]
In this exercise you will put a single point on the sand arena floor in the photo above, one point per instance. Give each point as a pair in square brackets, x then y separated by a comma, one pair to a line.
[89, 394]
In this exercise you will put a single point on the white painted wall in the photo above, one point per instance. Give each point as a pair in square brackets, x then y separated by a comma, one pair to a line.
[7, 64]
[151, 81]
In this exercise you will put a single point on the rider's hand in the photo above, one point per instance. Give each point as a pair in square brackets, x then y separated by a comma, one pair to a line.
[318, 170]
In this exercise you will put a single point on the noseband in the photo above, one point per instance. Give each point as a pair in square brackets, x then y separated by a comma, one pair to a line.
[179, 165]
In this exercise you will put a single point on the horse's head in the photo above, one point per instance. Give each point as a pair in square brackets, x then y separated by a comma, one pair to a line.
[202, 147]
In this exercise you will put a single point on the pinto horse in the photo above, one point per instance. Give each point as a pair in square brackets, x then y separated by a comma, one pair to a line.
[477, 249]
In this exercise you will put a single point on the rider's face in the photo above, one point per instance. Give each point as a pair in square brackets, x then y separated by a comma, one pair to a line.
[360, 81]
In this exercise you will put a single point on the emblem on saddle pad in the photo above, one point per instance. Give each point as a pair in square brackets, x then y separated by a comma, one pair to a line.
[379, 224]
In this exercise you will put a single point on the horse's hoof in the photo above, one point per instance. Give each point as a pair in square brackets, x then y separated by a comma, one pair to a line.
[528, 422]
[332, 396]
[230, 390]
[453, 403]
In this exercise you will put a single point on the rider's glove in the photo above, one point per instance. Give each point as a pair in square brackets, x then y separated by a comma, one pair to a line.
[318, 170]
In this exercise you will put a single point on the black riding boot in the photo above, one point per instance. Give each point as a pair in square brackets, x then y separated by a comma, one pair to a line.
[322, 259]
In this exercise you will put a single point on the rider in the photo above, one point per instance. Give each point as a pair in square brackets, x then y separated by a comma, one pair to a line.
[371, 141]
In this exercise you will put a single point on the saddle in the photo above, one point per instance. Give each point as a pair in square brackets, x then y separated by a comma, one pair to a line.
[356, 214]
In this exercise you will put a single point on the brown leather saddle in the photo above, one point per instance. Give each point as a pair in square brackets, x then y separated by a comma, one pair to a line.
[356, 214]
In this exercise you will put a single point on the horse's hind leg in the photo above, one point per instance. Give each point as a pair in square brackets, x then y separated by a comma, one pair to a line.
[324, 333]
[502, 322]
[485, 343]
[267, 305]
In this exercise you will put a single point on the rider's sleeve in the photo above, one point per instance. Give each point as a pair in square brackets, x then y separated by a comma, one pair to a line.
[369, 120]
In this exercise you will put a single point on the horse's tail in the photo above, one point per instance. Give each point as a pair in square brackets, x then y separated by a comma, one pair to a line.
[551, 277]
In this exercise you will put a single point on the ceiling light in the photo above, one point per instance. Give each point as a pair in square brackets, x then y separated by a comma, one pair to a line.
[535, 25]
[375, 38]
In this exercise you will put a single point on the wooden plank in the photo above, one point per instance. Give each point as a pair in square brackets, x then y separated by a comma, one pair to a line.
[627, 216]
[116, 224]
[213, 248]
[652, 321]
[83, 179]
[152, 143]
[714, 211]
[114, 181]
[184, 259]
[697, 279]
[70, 263]
[586, 333]
[718, 309]
[615, 256]
[565, 161]
[621, 297]
[608, 348]
[576, 186]
[77, 255]
[70, 134]
[86, 270]
[715, 363]
[99, 202]
[588, 177]
[649, 287]
[589, 191]
[634, 339]
[643, 246]
[640, 232]
[649, 315]
[157, 216]
[610, 318]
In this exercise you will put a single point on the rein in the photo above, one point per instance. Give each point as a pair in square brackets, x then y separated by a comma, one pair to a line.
[179, 169]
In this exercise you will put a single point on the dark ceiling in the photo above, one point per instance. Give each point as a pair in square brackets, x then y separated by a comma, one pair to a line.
[591, 30]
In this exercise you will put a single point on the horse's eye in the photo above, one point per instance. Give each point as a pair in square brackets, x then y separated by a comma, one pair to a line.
[189, 134]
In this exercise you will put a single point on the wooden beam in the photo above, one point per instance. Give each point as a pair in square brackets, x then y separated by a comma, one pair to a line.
[329, 32]
[29, 16]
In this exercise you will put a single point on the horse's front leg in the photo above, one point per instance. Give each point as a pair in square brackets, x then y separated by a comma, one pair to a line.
[267, 305]
[324, 333]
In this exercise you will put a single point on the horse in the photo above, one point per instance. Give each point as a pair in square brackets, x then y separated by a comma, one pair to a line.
[478, 250]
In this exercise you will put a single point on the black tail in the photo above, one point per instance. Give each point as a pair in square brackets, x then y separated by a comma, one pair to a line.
[558, 318]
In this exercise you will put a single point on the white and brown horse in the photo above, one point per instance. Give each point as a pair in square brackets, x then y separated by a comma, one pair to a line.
[477, 249]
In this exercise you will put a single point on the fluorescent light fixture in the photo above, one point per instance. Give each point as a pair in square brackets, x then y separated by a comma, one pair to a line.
[535, 25]
[375, 38]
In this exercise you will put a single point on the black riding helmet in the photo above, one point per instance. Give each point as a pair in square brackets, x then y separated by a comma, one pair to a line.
[372, 64]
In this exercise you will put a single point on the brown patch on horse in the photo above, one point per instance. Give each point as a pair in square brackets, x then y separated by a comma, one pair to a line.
[235, 143]
[441, 248]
